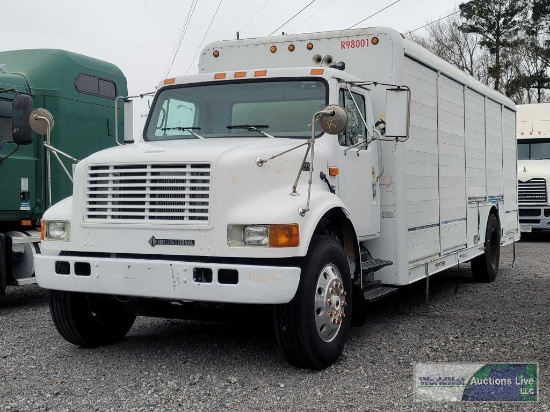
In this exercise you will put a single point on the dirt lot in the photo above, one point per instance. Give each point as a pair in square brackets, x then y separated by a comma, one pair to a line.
[183, 365]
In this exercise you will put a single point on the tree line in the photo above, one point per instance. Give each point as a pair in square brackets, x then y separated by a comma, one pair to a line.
[503, 43]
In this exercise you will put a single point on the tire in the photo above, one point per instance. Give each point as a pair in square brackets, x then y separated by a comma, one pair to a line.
[485, 266]
[89, 320]
[309, 336]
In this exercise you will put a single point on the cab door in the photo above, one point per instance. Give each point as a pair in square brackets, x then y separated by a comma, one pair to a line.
[358, 164]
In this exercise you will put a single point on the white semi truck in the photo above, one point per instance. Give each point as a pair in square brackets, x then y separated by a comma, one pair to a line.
[246, 188]
[533, 166]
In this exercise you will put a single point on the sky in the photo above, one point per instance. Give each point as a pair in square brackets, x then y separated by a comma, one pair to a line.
[140, 36]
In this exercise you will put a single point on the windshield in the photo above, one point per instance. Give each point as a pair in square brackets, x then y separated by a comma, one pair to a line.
[533, 149]
[5, 122]
[258, 108]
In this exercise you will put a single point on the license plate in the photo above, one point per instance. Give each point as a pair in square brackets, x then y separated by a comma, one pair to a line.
[526, 228]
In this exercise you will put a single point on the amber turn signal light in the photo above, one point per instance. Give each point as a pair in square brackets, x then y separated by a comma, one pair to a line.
[284, 235]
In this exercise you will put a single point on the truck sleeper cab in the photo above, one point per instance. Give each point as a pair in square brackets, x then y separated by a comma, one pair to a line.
[79, 92]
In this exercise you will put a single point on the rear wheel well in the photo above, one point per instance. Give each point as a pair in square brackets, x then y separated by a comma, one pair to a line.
[336, 224]
[494, 211]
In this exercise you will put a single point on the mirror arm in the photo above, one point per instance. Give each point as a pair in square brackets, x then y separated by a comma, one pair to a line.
[359, 111]
[260, 162]
[365, 142]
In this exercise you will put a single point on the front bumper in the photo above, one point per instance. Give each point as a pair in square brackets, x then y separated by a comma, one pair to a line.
[167, 279]
[534, 218]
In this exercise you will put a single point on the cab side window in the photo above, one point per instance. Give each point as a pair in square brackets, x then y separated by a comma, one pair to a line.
[355, 130]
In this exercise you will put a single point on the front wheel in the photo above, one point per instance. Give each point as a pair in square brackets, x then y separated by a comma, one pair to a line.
[89, 320]
[312, 329]
[485, 266]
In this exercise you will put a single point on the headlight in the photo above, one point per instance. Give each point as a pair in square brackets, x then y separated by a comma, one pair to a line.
[56, 230]
[263, 235]
[256, 235]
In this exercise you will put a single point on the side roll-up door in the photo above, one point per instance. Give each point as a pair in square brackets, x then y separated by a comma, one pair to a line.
[495, 189]
[476, 171]
[422, 163]
[452, 164]
[510, 222]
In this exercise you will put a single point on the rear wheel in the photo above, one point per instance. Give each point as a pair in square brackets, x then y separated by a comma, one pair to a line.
[485, 266]
[312, 329]
[89, 320]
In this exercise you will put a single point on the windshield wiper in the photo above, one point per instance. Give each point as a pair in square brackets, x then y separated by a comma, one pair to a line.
[252, 128]
[184, 129]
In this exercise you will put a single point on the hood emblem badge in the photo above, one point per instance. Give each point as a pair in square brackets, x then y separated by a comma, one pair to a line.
[171, 242]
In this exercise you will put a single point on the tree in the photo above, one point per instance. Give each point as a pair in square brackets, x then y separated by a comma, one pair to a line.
[446, 40]
[537, 56]
[499, 23]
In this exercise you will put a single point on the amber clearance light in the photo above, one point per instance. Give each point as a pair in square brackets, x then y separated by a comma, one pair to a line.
[284, 235]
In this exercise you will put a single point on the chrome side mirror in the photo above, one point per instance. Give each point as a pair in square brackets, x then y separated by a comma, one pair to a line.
[333, 119]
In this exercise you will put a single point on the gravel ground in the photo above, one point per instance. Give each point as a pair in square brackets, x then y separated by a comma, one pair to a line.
[183, 365]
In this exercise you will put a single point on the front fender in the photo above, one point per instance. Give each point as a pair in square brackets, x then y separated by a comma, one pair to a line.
[62, 210]
[285, 209]
[320, 204]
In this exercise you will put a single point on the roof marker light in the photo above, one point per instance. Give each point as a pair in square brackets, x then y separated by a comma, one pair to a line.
[215, 53]
[260, 73]
[374, 40]
[170, 81]
[310, 46]
[273, 49]
[239, 75]
[291, 47]
[317, 71]
[219, 76]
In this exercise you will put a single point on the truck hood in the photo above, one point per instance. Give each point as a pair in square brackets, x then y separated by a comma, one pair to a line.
[529, 169]
[193, 150]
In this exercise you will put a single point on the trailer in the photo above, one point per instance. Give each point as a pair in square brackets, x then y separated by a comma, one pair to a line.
[309, 173]
[533, 166]
[79, 91]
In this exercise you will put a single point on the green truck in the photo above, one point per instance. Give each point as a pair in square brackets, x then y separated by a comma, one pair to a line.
[80, 93]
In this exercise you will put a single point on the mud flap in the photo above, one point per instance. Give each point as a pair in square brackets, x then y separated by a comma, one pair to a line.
[3, 267]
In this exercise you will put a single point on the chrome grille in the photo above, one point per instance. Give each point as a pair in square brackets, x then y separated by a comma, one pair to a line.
[130, 193]
[532, 192]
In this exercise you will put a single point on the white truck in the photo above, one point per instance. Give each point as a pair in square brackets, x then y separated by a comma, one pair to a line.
[533, 166]
[245, 189]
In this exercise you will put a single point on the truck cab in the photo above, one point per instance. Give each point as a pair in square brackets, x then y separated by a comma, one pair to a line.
[534, 166]
[226, 186]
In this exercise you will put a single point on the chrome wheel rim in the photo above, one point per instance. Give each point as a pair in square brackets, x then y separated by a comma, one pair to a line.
[330, 303]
